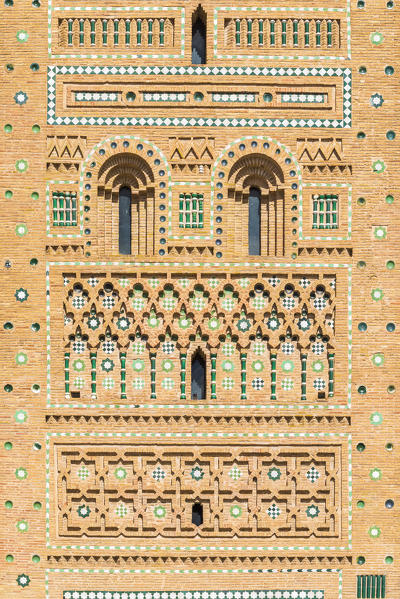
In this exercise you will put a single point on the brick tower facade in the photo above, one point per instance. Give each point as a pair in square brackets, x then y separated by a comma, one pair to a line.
[199, 330]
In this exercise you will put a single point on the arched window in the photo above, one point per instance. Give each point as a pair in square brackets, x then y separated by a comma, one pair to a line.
[198, 390]
[199, 36]
[256, 183]
[254, 226]
[126, 192]
[125, 233]
[197, 514]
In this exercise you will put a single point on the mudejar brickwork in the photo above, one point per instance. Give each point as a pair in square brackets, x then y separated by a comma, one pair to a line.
[200, 299]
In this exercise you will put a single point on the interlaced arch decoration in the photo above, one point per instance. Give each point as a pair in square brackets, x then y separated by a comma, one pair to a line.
[256, 162]
[134, 162]
[269, 335]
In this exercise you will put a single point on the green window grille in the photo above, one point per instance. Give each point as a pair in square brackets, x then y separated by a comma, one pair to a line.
[191, 211]
[139, 32]
[325, 211]
[81, 31]
[70, 32]
[284, 32]
[329, 33]
[92, 32]
[272, 33]
[249, 32]
[370, 586]
[162, 26]
[237, 32]
[116, 32]
[295, 33]
[150, 32]
[306, 33]
[127, 32]
[318, 34]
[64, 209]
[105, 31]
[260, 32]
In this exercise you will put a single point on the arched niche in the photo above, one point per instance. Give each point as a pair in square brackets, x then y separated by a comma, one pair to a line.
[122, 175]
[115, 168]
[254, 181]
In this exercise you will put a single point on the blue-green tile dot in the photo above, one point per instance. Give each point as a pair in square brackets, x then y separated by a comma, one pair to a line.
[390, 327]
[360, 560]
[389, 70]
[390, 135]
[391, 389]
[362, 326]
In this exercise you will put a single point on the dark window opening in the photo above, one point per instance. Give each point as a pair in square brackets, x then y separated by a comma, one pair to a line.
[197, 514]
[125, 201]
[199, 36]
[255, 222]
[198, 390]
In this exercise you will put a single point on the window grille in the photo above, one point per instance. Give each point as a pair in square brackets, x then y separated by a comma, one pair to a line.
[325, 211]
[64, 209]
[191, 215]
[371, 586]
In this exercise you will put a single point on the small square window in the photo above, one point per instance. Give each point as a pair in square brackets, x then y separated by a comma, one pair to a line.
[64, 209]
[191, 210]
[325, 211]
